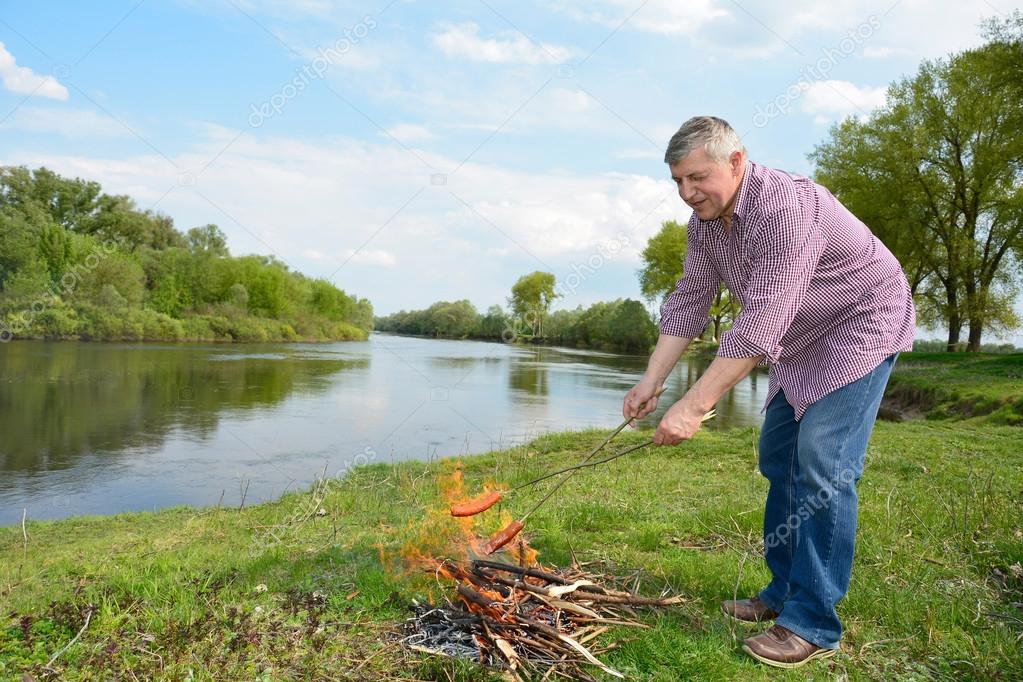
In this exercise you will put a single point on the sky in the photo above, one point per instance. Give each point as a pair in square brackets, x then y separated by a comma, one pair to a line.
[412, 152]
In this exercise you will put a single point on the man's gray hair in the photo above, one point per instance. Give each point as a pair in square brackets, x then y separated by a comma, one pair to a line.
[709, 132]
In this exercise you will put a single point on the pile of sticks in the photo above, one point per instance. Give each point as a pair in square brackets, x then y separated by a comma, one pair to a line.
[533, 623]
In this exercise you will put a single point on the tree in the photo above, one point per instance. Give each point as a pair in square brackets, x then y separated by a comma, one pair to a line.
[531, 299]
[937, 173]
[723, 312]
[452, 320]
[117, 218]
[664, 258]
[169, 281]
[207, 241]
[72, 204]
[630, 328]
[493, 324]
[116, 271]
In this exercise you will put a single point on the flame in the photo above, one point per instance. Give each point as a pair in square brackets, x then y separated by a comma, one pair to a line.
[440, 543]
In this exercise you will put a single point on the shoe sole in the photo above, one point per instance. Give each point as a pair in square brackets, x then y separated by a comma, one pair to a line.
[820, 654]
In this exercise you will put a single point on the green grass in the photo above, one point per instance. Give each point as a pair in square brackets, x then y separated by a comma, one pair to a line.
[960, 385]
[935, 592]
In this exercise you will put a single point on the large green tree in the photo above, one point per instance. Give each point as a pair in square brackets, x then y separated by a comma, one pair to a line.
[937, 173]
[531, 299]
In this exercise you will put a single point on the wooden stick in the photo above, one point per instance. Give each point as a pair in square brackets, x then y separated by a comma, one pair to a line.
[594, 596]
[512, 568]
[88, 617]
[24, 533]
[244, 493]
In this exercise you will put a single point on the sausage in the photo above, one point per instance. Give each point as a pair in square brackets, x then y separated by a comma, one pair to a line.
[477, 505]
[503, 537]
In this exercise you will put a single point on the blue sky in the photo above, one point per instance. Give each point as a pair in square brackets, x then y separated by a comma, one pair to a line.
[412, 151]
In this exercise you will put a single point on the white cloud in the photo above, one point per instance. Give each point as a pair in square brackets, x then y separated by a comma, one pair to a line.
[666, 17]
[884, 51]
[372, 257]
[409, 132]
[642, 153]
[25, 81]
[833, 99]
[759, 28]
[463, 40]
[377, 257]
[71, 123]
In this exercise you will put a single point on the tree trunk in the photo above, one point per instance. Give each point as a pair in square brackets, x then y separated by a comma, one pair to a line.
[973, 345]
[954, 327]
[955, 322]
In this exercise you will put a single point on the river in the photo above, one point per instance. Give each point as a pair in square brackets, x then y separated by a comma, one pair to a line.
[91, 428]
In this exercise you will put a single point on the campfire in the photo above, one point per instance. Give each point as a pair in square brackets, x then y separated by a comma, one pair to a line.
[509, 611]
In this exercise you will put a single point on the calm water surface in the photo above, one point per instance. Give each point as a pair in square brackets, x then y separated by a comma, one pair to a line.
[104, 428]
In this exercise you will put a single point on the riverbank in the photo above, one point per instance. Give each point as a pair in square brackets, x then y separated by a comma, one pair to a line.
[284, 590]
[959, 386]
[143, 325]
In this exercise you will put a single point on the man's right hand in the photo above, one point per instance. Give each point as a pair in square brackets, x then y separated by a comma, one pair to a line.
[643, 392]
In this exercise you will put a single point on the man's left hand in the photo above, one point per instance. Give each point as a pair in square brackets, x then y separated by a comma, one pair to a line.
[680, 422]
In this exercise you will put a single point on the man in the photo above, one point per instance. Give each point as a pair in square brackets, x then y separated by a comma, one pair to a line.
[827, 307]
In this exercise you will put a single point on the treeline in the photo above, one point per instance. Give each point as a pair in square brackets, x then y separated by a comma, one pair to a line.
[78, 263]
[623, 325]
[939, 346]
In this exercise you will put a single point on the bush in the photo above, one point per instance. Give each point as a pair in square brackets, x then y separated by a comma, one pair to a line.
[57, 322]
[197, 328]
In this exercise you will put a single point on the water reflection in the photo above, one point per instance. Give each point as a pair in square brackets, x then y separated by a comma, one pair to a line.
[527, 377]
[63, 401]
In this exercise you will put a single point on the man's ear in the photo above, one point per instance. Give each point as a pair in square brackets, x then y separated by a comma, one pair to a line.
[735, 162]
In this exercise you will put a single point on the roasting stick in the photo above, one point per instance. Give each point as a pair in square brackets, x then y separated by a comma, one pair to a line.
[506, 534]
[586, 462]
[488, 500]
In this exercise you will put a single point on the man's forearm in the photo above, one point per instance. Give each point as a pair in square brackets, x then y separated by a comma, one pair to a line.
[722, 375]
[666, 354]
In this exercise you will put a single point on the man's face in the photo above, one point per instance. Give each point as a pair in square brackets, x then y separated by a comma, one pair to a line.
[708, 186]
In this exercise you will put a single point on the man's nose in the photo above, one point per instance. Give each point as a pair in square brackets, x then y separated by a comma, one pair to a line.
[685, 192]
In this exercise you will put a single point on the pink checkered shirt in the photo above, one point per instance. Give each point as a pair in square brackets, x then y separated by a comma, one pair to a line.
[822, 298]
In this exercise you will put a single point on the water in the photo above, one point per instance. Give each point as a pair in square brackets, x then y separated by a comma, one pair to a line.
[104, 428]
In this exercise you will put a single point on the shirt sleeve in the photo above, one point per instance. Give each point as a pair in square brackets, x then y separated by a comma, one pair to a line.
[784, 253]
[684, 312]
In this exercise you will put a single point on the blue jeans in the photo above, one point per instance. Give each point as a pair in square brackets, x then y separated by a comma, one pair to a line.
[813, 466]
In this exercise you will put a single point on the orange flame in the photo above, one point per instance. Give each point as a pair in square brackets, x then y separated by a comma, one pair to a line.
[437, 535]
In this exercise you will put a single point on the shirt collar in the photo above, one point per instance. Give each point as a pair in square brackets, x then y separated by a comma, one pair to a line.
[743, 199]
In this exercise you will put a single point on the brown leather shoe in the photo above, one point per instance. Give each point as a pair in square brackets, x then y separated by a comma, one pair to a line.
[783, 648]
[748, 610]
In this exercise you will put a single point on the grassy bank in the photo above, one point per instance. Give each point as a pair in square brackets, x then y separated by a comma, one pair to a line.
[959, 386]
[93, 323]
[179, 594]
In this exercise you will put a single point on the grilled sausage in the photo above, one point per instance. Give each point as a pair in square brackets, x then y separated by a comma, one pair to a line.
[503, 537]
[477, 505]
